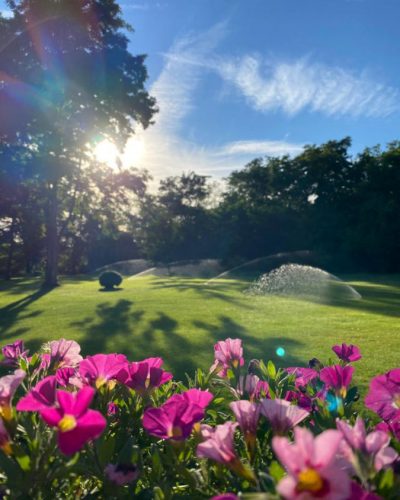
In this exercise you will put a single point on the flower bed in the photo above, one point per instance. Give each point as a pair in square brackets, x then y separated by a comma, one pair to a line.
[106, 427]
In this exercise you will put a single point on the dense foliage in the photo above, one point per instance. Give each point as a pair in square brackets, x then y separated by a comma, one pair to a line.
[106, 427]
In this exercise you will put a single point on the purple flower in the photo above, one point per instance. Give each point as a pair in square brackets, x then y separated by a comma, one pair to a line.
[303, 375]
[282, 415]
[338, 378]
[384, 395]
[13, 352]
[8, 385]
[65, 353]
[121, 474]
[391, 426]
[302, 400]
[347, 353]
[358, 493]
[228, 355]
[144, 376]
[42, 396]
[102, 369]
[64, 375]
[251, 386]
[112, 409]
[225, 496]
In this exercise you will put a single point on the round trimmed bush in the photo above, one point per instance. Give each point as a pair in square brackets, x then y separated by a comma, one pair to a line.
[110, 279]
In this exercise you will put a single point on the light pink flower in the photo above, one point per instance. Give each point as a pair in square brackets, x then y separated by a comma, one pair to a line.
[218, 443]
[8, 385]
[228, 355]
[144, 376]
[347, 353]
[102, 369]
[76, 424]
[337, 377]
[121, 474]
[65, 353]
[312, 465]
[282, 415]
[13, 352]
[42, 396]
[384, 395]
[247, 415]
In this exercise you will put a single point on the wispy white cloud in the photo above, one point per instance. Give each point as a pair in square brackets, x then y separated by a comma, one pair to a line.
[303, 85]
[260, 148]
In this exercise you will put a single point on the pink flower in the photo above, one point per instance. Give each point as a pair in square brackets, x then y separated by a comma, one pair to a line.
[384, 395]
[64, 375]
[8, 385]
[225, 496]
[218, 443]
[42, 396]
[76, 424]
[102, 369]
[282, 415]
[337, 377]
[5, 440]
[121, 474]
[112, 409]
[65, 353]
[144, 376]
[199, 398]
[228, 355]
[373, 446]
[347, 353]
[176, 417]
[312, 466]
[302, 400]
[358, 493]
[251, 386]
[303, 375]
[13, 352]
[391, 426]
[247, 415]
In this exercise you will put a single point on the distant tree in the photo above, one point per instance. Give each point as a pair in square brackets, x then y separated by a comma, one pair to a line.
[67, 79]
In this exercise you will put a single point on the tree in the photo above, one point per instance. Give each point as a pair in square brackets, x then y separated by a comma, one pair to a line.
[67, 79]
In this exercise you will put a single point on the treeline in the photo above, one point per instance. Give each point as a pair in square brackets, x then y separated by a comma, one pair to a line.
[346, 209]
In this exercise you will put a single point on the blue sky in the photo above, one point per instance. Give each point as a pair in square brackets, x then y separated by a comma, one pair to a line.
[236, 79]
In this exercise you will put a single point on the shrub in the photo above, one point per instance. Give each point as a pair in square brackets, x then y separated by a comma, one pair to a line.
[107, 427]
[110, 279]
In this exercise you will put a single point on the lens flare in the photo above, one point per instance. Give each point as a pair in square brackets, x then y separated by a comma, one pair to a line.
[280, 351]
[106, 152]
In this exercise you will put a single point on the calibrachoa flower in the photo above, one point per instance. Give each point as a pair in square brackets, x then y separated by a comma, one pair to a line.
[337, 377]
[282, 415]
[64, 376]
[76, 424]
[247, 415]
[144, 376]
[121, 474]
[176, 417]
[42, 396]
[228, 355]
[250, 385]
[302, 400]
[347, 353]
[8, 385]
[358, 493]
[384, 395]
[391, 426]
[313, 467]
[65, 353]
[373, 447]
[13, 352]
[112, 409]
[102, 369]
[225, 496]
[303, 375]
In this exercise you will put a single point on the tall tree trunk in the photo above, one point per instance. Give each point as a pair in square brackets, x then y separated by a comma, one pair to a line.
[11, 248]
[52, 243]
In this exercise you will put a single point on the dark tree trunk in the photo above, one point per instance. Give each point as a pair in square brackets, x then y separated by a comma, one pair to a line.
[52, 243]
[10, 255]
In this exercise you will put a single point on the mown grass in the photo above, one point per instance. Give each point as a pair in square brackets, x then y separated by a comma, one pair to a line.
[180, 319]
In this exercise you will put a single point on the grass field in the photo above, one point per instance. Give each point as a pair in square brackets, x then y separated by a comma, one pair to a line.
[180, 319]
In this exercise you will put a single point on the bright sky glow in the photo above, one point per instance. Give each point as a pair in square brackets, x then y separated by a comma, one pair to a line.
[106, 152]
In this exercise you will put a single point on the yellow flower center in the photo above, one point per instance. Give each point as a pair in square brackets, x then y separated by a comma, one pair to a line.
[310, 480]
[235, 363]
[100, 381]
[6, 412]
[67, 423]
[175, 432]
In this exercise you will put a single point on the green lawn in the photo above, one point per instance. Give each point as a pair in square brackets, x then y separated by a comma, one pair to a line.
[181, 319]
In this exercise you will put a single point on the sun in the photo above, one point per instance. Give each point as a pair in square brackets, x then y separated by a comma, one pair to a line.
[133, 153]
[106, 152]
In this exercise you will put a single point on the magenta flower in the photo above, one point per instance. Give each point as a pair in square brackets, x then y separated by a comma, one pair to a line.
[121, 474]
[218, 443]
[250, 385]
[64, 375]
[176, 417]
[8, 385]
[5, 440]
[347, 353]
[112, 409]
[358, 493]
[374, 447]
[303, 375]
[384, 395]
[391, 426]
[302, 400]
[76, 424]
[42, 396]
[144, 376]
[65, 353]
[228, 355]
[282, 415]
[13, 352]
[225, 496]
[337, 377]
[313, 467]
[102, 369]
[199, 398]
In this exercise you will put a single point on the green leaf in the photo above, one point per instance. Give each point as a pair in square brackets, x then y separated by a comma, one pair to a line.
[271, 370]
[276, 471]
[158, 493]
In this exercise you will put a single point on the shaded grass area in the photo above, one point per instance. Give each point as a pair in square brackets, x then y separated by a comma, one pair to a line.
[180, 319]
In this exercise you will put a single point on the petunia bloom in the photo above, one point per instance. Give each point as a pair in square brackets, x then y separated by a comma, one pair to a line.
[144, 376]
[42, 396]
[347, 353]
[282, 415]
[176, 417]
[76, 423]
[65, 353]
[338, 378]
[358, 493]
[391, 426]
[121, 474]
[225, 496]
[13, 352]
[64, 376]
[251, 386]
[303, 376]
[228, 355]
[218, 443]
[102, 369]
[247, 415]
[373, 447]
[384, 395]
[8, 385]
[313, 468]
